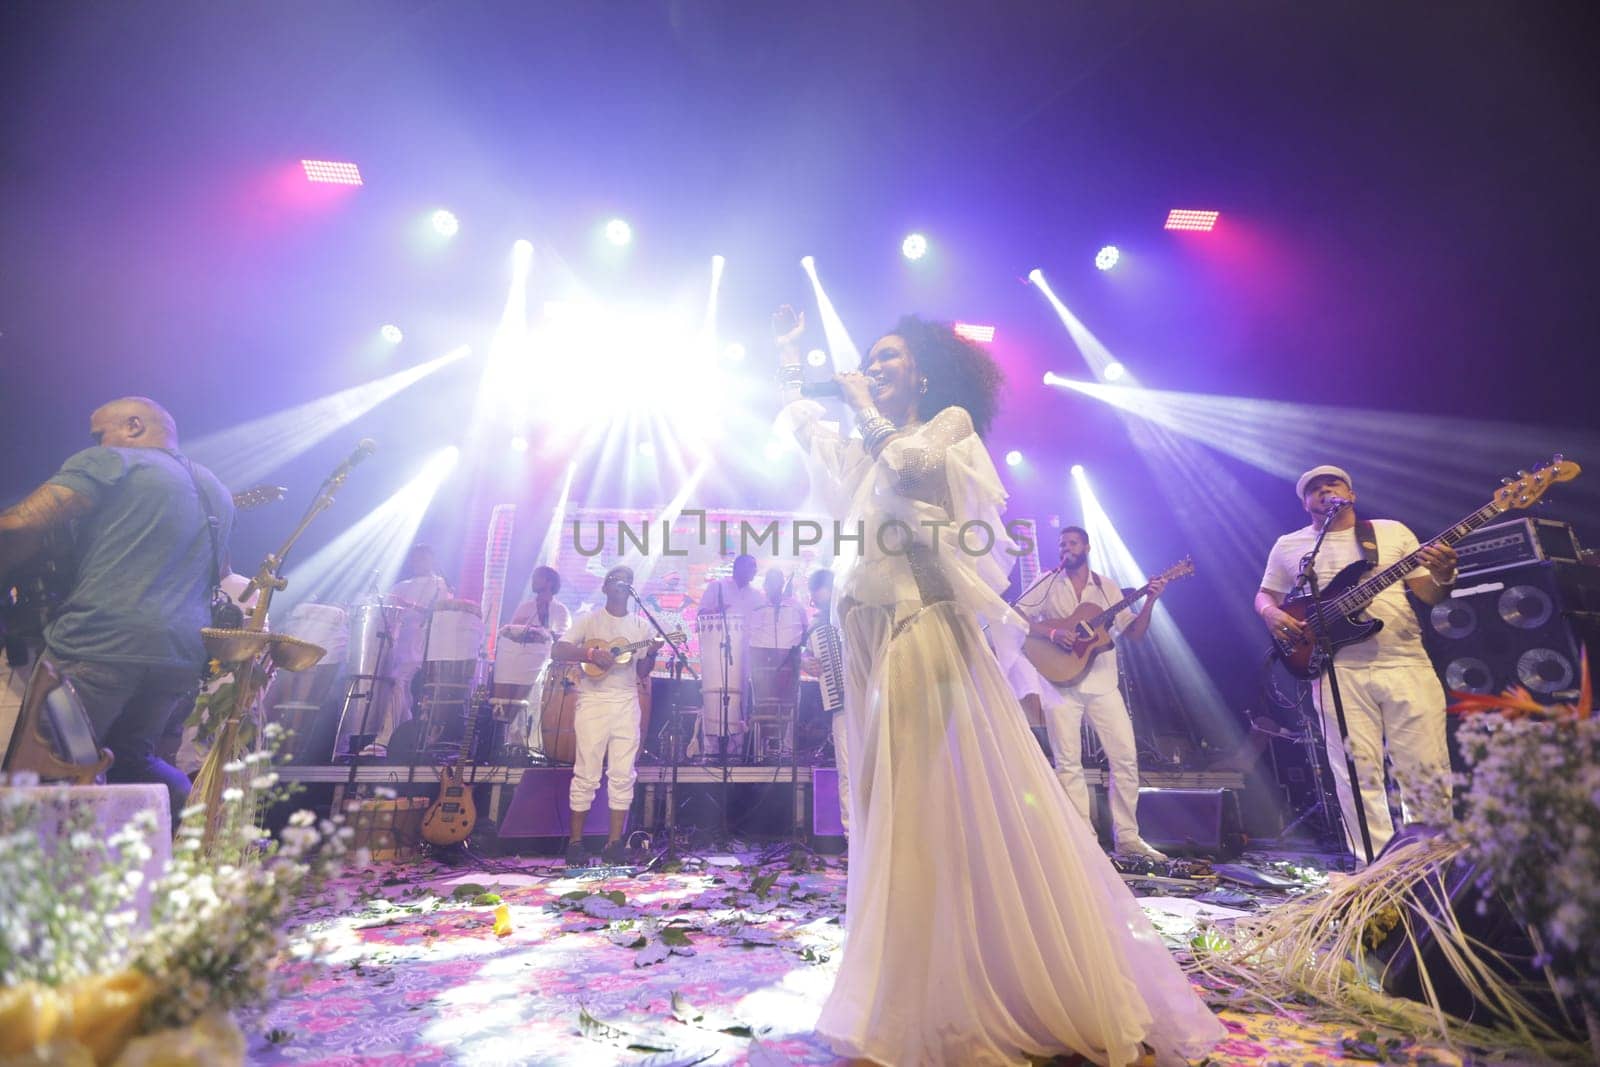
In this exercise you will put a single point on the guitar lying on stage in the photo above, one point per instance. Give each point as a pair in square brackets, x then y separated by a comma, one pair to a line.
[1090, 629]
[620, 654]
[1347, 595]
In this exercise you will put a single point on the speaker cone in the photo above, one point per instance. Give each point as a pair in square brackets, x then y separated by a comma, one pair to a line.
[1453, 618]
[1544, 670]
[1526, 607]
[1469, 675]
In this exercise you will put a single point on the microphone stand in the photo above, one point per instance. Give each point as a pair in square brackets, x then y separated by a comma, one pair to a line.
[1308, 578]
[680, 662]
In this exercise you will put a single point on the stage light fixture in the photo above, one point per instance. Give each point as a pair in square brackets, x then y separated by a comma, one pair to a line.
[1013, 458]
[1036, 276]
[392, 333]
[445, 223]
[914, 247]
[1197, 221]
[328, 172]
[1114, 371]
[519, 443]
[618, 232]
[817, 357]
[734, 351]
[808, 263]
[973, 332]
[1052, 378]
[1077, 470]
[1107, 257]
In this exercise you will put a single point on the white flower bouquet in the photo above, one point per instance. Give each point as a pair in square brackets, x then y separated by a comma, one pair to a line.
[83, 979]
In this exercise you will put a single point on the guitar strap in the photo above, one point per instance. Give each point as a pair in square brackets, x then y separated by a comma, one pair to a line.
[1367, 540]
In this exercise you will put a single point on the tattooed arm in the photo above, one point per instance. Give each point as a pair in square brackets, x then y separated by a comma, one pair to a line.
[24, 525]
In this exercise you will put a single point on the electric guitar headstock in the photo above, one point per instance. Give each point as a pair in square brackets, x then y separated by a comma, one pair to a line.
[258, 495]
[1527, 487]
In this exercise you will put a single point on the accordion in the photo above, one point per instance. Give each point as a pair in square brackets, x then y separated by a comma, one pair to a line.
[824, 644]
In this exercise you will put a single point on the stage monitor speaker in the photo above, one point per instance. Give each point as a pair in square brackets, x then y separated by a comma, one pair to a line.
[1399, 962]
[1523, 626]
[1191, 822]
[539, 807]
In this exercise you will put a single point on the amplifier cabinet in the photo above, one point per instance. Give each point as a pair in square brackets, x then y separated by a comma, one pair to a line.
[1524, 625]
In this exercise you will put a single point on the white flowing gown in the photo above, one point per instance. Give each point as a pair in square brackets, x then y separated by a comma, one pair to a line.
[985, 923]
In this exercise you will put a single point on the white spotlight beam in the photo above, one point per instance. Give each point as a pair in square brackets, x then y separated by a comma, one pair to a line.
[550, 548]
[846, 357]
[708, 325]
[1094, 353]
[1187, 684]
[251, 451]
[504, 391]
[371, 552]
[1417, 466]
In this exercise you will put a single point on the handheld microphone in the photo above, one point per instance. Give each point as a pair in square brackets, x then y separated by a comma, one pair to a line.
[825, 389]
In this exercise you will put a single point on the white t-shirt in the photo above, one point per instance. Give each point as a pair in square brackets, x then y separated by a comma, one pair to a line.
[527, 614]
[776, 627]
[1057, 599]
[619, 684]
[726, 597]
[1399, 643]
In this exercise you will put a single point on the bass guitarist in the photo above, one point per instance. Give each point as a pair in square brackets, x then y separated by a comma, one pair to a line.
[1096, 694]
[1392, 697]
[607, 719]
[151, 530]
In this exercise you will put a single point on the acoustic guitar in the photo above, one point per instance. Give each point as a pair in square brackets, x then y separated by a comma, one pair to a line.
[620, 654]
[1345, 598]
[452, 815]
[1090, 631]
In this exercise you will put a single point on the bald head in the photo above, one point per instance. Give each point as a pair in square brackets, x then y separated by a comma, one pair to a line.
[133, 422]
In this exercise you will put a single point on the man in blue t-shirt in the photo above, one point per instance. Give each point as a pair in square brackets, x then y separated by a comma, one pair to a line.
[128, 635]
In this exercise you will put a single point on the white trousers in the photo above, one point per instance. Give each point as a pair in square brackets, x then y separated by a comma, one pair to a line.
[1401, 708]
[1108, 715]
[607, 734]
[841, 761]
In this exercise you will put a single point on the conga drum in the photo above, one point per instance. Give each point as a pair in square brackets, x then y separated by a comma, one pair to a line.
[722, 651]
[558, 710]
[374, 629]
[517, 663]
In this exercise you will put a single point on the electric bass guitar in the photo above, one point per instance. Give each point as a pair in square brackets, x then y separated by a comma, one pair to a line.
[1345, 598]
[620, 654]
[1090, 631]
[452, 815]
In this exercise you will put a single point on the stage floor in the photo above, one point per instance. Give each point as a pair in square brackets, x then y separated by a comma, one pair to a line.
[728, 956]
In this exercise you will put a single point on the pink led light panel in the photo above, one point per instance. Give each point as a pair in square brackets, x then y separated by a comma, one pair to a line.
[322, 170]
[981, 334]
[1181, 219]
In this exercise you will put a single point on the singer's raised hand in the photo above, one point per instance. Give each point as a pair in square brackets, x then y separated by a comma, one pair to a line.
[787, 326]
